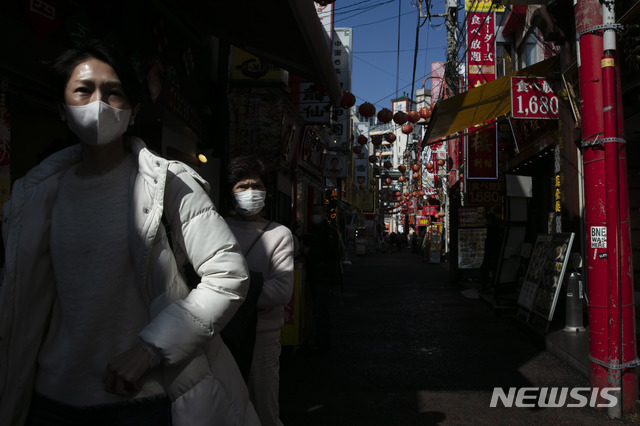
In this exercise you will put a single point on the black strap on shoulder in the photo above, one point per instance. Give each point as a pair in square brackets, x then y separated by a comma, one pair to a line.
[264, 229]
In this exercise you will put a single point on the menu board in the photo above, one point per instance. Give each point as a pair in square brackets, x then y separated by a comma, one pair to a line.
[471, 247]
[544, 276]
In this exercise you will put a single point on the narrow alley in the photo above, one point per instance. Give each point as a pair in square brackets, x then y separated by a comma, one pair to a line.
[410, 349]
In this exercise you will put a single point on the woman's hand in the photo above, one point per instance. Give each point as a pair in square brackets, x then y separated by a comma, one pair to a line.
[123, 371]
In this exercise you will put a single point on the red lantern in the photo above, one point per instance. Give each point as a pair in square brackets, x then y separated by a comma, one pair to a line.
[425, 113]
[400, 117]
[421, 192]
[415, 168]
[429, 166]
[373, 158]
[407, 128]
[388, 180]
[402, 179]
[385, 115]
[376, 140]
[440, 162]
[406, 194]
[413, 116]
[367, 110]
[414, 193]
[348, 100]
[387, 165]
[362, 139]
[356, 149]
[398, 193]
[416, 175]
[390, 137]
[402, 168]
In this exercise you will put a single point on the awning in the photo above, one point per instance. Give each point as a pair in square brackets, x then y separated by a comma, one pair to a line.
[481, 104]
[287, 33]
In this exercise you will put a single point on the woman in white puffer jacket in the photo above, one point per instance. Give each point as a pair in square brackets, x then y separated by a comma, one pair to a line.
[97, 324]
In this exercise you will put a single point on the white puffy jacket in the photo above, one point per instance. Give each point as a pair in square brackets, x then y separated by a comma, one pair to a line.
[201, 378]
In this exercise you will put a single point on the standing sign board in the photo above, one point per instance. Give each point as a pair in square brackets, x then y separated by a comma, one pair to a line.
[542, 283]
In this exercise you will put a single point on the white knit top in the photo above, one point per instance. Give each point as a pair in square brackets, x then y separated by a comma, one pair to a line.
[272, 255]
[99, 310]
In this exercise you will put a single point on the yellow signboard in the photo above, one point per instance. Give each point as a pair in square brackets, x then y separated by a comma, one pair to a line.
[249, 67]
[483, 6]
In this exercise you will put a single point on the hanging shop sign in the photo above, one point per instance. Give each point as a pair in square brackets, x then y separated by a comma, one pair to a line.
[534, 98]
[482, 154]
[339, 130]
[335, 166]
[484, 193]
[481, 60]
[483, 6]
[481, 148]
[361, 159]
[248, 67]
[255, 126]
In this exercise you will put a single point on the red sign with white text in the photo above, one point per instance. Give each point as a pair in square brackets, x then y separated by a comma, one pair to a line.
[481, 150]
[534, 97]
[481, 60]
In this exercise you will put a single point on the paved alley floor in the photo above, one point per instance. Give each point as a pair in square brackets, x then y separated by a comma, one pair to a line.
[410, 349]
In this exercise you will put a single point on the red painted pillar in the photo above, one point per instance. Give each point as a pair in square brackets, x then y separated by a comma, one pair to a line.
[620, 301]
[588, 15]
[609, 265]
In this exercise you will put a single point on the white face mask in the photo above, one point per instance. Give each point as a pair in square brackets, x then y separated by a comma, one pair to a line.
[97, 123]
[316, 219]
[249, 202]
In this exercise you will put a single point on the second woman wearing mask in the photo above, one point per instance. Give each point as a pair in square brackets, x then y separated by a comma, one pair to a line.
[268, 249]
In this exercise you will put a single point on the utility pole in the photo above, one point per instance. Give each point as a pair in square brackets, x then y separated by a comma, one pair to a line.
[451, 73]
[609, 265]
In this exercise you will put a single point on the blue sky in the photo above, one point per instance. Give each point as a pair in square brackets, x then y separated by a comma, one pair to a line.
[378, 75]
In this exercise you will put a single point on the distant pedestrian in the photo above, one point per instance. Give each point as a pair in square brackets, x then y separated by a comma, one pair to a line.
[324, 271]
[492, 245]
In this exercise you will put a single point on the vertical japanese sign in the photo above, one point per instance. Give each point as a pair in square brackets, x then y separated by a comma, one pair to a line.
[361, 160]
[314, 102]
[339, 130]
[481, 36]
[482, 145]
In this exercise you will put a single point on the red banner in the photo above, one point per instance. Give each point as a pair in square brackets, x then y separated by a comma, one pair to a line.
[481, 146]
[481, 60]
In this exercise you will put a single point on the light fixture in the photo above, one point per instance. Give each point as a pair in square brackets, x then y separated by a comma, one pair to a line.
[203, 155]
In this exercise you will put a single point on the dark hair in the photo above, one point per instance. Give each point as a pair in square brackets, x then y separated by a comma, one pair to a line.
[244, 167]
[64, 65]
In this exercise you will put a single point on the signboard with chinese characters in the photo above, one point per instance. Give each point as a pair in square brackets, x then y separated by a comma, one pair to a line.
[481, 148]
[361, 160]
[485, 193]
[481, 36]
[533, 98]
[339, 130]
[313, 100]
[482, 154]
